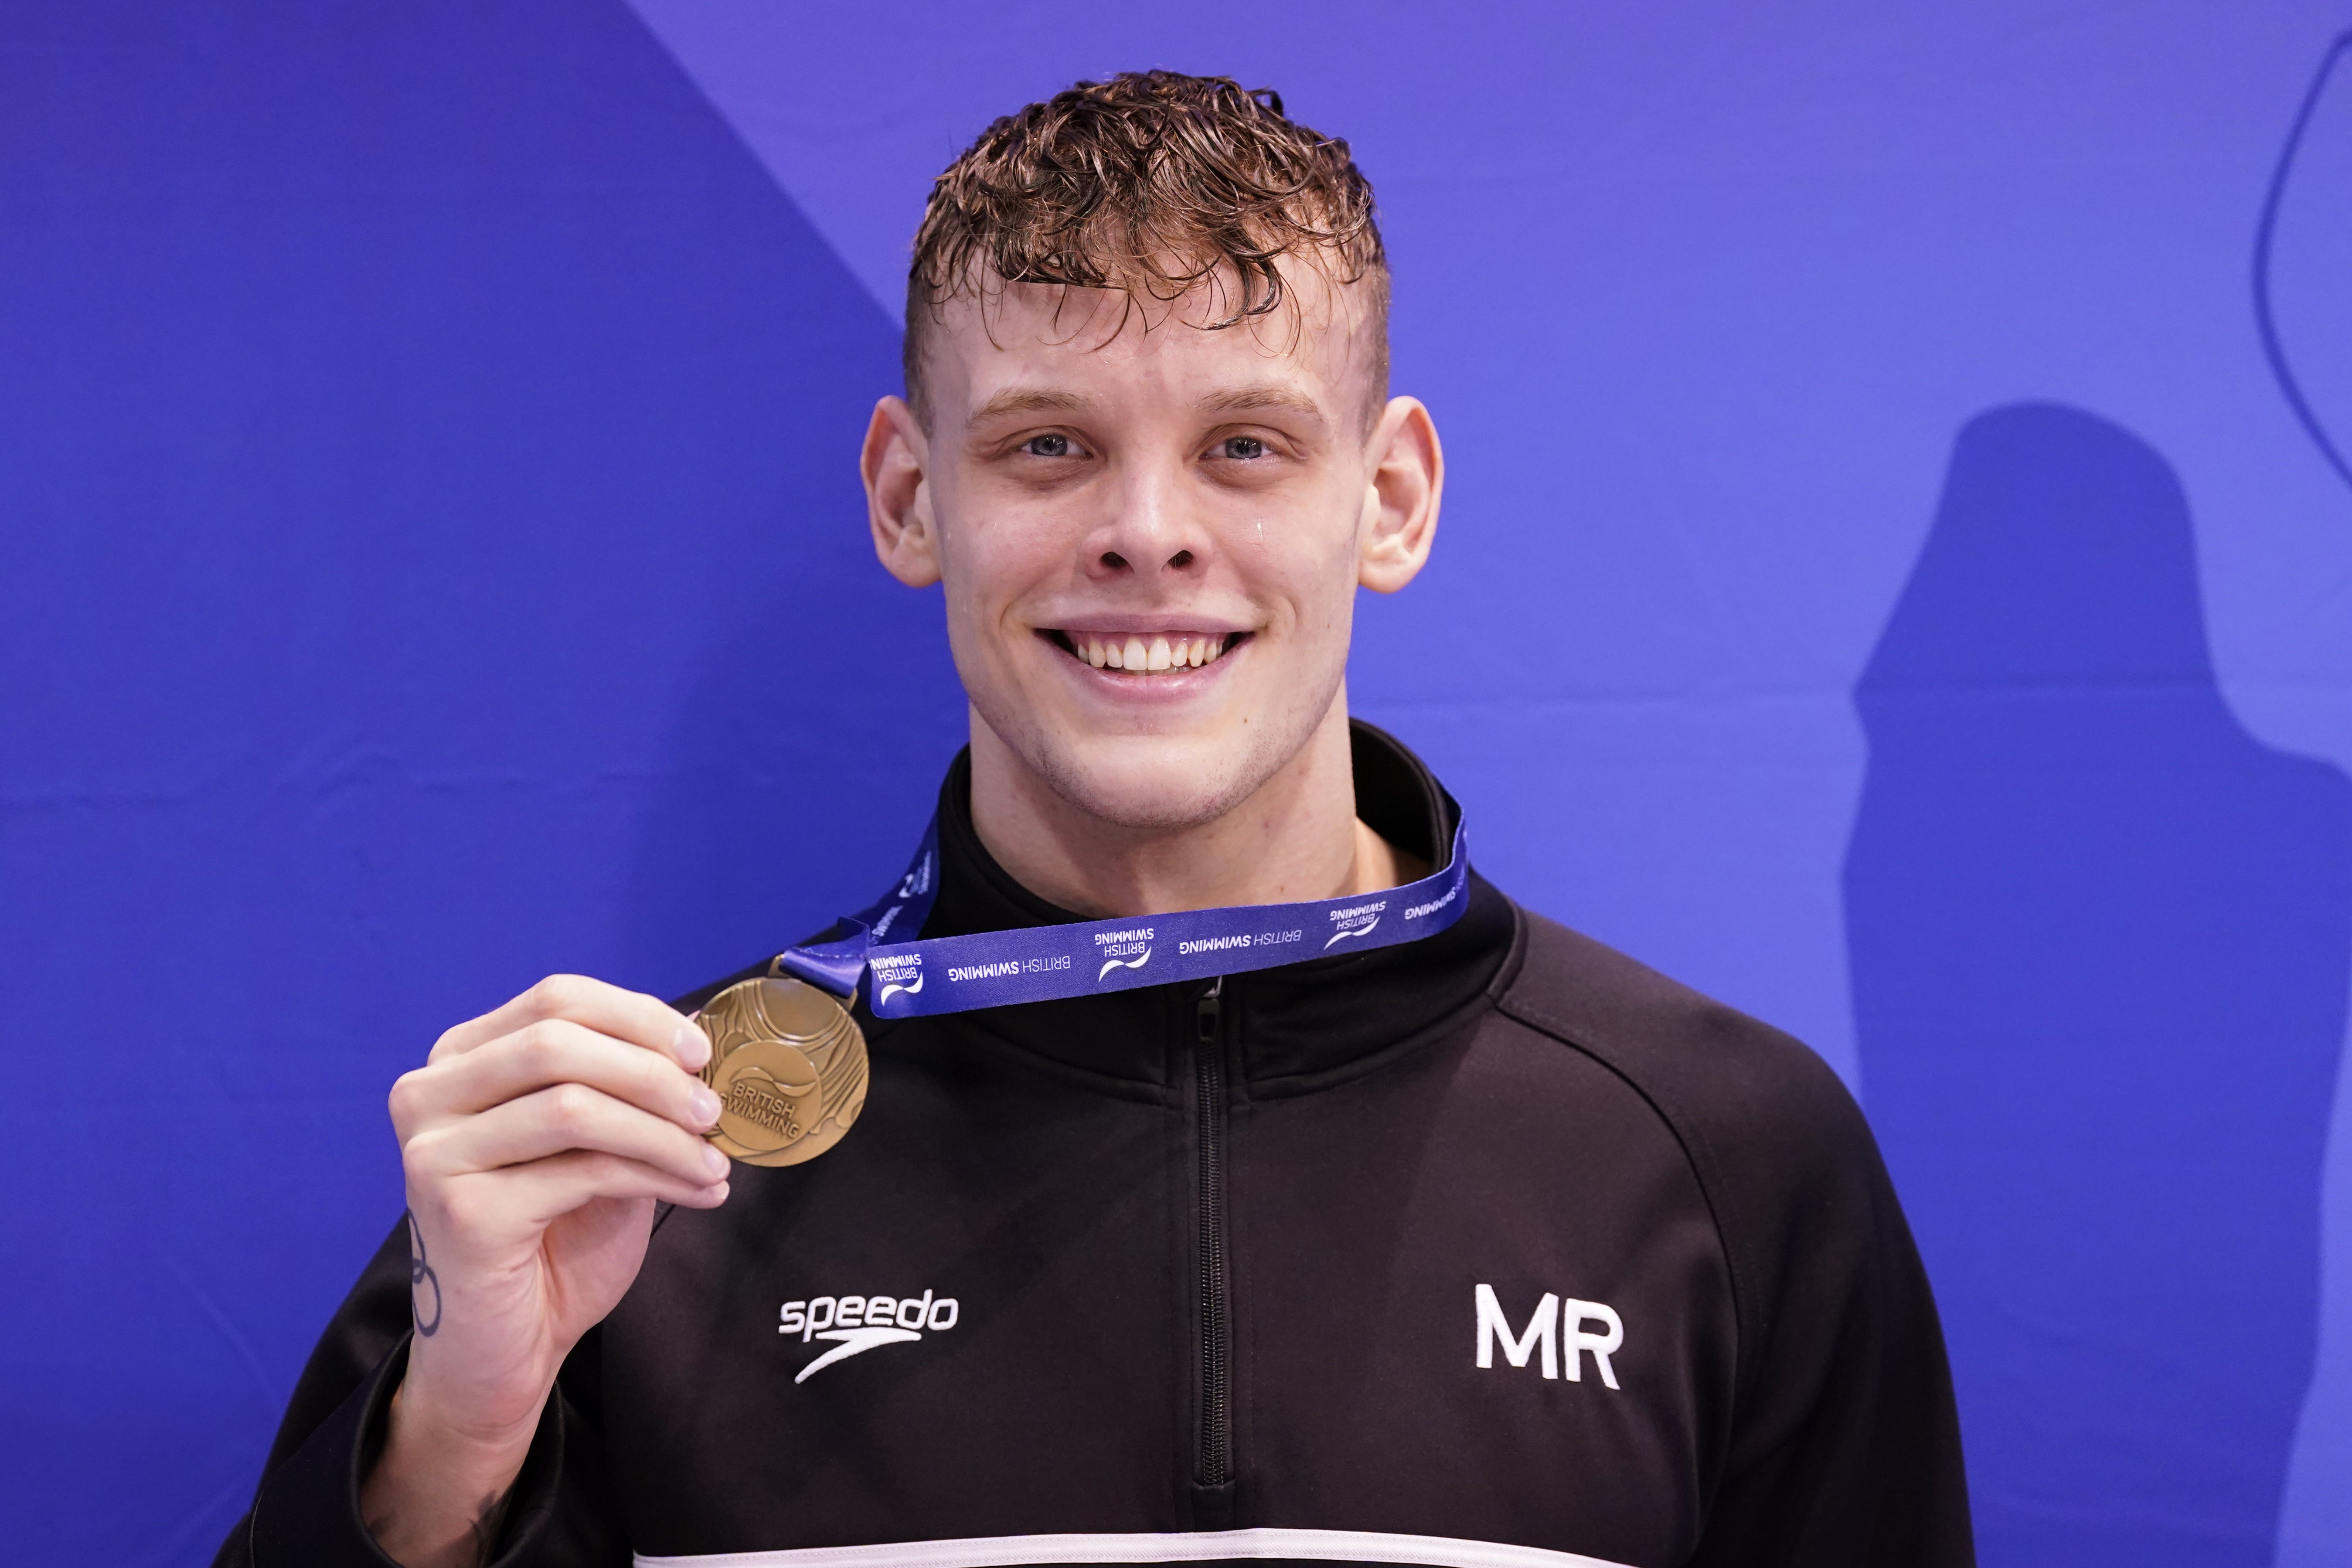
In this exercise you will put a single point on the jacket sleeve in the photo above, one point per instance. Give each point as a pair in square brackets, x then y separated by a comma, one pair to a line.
[307, 1510]
[1845, 1443]
[1841, 1445]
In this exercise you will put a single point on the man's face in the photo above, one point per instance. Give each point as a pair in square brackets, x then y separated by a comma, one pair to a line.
[1151, 540]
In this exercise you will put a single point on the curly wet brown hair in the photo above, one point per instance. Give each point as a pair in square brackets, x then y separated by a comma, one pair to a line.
[1153, 184]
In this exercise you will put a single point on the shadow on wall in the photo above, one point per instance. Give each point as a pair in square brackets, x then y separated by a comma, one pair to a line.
[2099, 938]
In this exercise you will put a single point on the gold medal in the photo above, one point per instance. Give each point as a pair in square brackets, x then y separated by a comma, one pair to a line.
[788, 1064]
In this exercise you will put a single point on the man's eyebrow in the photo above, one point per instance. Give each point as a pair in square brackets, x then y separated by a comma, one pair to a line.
[1027, 400]
[1265, 395]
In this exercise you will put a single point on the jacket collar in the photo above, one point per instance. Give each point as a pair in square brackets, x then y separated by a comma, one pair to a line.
[1294, 1027]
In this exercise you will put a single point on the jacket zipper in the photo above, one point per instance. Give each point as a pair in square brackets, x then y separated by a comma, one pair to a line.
[1216, 1456]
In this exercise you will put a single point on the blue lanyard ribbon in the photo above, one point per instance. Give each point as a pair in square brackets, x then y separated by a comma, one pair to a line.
[1045, 963]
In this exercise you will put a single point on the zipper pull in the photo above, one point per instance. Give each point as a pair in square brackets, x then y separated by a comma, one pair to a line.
[1205, 1018]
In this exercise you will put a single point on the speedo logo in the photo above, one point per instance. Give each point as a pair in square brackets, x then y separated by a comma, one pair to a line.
[1356, 920]
[856, 1324]
[1114, 947]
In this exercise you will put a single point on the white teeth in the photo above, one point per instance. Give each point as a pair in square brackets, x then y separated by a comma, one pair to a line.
[1164, 651]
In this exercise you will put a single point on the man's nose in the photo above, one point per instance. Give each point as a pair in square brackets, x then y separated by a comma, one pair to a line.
[1152, 529]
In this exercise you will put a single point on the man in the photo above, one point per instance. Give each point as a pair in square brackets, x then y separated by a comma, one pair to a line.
[1130, 1270]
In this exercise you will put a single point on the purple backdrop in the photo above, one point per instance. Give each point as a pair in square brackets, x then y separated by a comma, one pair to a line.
[1883, 583]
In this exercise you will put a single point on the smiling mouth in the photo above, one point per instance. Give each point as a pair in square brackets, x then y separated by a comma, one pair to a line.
[1149, 653]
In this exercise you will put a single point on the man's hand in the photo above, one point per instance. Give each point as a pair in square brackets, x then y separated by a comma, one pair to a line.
[535, 1140]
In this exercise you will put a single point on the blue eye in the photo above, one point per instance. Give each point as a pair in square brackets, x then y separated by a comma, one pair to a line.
[1047, 445]
[1243, 447]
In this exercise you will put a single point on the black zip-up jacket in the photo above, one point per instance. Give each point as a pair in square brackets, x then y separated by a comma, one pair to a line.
[1493, 1249]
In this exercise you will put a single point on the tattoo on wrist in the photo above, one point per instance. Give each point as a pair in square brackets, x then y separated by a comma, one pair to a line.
[421, 1278]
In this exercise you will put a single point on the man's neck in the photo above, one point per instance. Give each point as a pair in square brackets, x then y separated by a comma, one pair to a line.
[1295, 838]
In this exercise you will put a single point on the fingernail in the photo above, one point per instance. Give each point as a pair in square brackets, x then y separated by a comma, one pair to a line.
[714, 1162]
[704, 1106]
[690, 1047]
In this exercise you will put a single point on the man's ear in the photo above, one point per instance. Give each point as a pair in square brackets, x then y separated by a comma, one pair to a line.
[896, 464]
[1401, 501]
